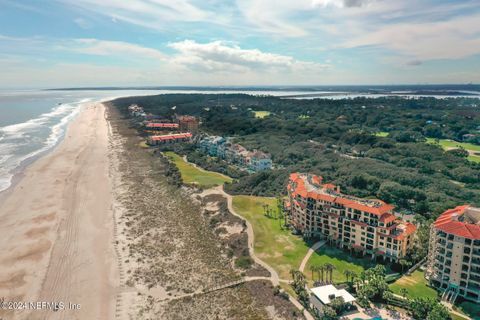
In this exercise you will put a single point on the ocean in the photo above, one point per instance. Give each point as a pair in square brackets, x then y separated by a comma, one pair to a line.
[33, 122]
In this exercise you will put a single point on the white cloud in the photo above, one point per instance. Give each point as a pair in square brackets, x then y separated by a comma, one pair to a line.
[155, 14]
[113, 48]
[220, 57]
[455, 38]
[341, 3]
[82, 23]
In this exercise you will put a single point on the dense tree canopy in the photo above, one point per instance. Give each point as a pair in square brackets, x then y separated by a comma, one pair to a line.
[336, 139]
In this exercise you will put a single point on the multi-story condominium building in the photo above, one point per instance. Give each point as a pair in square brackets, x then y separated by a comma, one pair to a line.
[188, 123]
[259, 161]
[169, 138]
[161, 126]
[234, 153]
[454, 254]
[366, 225]
[211, 145]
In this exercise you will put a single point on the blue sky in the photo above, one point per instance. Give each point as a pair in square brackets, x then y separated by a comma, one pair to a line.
[238, 42]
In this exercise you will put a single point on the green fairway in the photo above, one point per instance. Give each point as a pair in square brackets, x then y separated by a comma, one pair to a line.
[449, 144]
[261, 114]
[341, 260]
[474, 158]
[415, 284]
[285, 251]
[279, 248]
[446, 144]
[192, 175]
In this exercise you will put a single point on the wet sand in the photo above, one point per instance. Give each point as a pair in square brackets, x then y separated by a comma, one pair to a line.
[56, 228]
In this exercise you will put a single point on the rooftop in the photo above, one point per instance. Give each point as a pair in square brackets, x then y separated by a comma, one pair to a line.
[171, 137]
[310, 186]
[161, 125]
[462, 221]
[327, 293]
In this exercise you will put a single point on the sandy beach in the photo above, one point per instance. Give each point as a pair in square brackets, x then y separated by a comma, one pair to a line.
[56, 228]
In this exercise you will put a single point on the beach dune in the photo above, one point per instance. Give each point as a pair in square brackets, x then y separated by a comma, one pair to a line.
[56, 229]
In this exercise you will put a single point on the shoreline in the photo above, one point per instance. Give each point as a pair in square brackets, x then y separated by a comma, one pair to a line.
[18, 172]
[57, 226]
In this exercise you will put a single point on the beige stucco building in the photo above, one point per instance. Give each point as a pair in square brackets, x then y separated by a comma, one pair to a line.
[454, 254]
[368, 225]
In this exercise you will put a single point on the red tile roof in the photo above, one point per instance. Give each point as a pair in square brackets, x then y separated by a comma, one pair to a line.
[387, 217]
[298, 188]
[161, 125]
[171, 137]
[448, 223]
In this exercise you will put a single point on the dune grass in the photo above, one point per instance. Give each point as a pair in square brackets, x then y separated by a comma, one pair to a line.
[193, 175]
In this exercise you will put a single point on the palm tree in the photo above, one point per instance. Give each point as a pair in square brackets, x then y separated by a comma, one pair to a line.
[329, 269]
[321, 269]
[313, 269]
[331, 273]
[403, 293]
[347, 274]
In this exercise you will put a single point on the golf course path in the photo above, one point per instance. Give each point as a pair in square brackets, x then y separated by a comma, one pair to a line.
[251, 237]
[274, 278]
[310, 251]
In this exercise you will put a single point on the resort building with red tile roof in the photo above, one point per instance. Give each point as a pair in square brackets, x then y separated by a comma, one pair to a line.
[454, 254]
[161, 126]
[169, 138]
[366, 225]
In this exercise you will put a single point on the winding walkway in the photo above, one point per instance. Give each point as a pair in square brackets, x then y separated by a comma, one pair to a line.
[274, 278]
[315, 247]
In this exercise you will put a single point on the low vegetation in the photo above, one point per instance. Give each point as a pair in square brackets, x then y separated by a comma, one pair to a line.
[193, 175]
[336, 139]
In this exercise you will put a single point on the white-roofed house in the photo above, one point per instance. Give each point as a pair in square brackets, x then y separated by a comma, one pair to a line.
[324, 295]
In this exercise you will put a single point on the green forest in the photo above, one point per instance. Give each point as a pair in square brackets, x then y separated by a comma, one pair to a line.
[339, 140]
